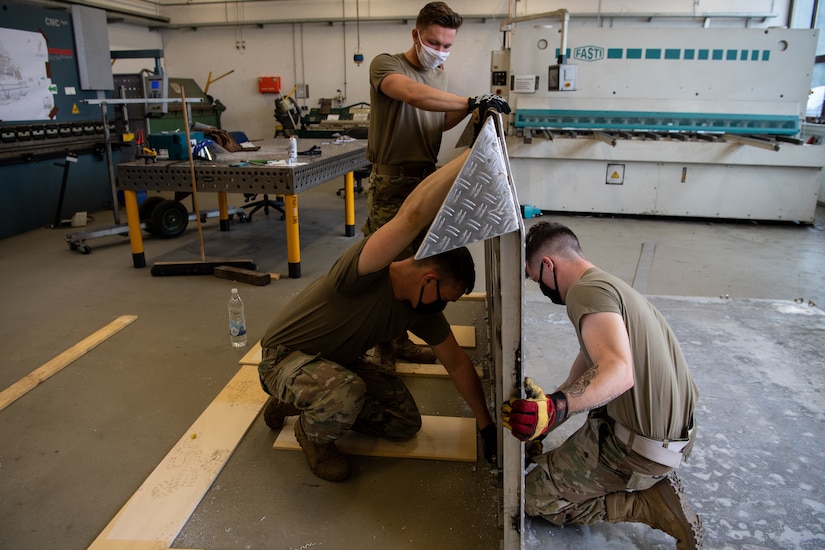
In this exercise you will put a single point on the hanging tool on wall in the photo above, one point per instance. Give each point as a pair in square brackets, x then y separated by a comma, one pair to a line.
[209, 80]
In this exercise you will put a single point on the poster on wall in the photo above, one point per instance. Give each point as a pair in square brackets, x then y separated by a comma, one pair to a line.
[25, 86]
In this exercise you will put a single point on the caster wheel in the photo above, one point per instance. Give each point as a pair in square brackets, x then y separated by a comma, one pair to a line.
[169, 219]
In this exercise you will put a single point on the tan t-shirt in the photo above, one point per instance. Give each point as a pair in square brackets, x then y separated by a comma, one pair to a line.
[661, 402]
[401, 134]
[341, 315]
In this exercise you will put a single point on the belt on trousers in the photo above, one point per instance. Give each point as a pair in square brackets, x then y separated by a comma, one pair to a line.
[277, 353]
[404, 170]
[667, 453]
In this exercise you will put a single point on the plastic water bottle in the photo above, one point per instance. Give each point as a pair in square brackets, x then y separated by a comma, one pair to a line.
[293, 150]
[237, 321]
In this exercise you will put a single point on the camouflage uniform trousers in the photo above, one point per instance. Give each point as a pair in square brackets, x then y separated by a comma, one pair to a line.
[365, 397]
[569, 483]
[385, 195]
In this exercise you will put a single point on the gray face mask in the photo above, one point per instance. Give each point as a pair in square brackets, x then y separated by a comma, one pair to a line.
[553, 294]
[428, 57]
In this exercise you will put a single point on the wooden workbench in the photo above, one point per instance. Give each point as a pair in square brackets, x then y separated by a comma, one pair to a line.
[223, 175]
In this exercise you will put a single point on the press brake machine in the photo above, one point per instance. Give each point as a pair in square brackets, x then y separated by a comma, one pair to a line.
[693, 122]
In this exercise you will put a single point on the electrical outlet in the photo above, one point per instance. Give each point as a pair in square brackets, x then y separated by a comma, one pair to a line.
[302, 92]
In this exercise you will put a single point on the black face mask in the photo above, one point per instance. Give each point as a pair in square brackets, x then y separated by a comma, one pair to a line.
[553, 294]
[434, 307]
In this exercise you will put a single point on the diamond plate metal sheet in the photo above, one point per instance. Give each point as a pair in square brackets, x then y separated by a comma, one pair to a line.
[481, 203]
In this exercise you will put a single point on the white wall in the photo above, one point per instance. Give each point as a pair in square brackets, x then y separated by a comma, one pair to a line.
[315, 53]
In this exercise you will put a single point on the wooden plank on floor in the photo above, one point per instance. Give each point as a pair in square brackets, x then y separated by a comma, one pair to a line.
[253, 356]
[45, 371]
[464, 334]
[440, 438]
[238, 274]
[436, 370]
[163, 504]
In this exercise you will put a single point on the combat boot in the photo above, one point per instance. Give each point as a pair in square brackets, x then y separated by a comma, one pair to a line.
[664, 507]
[275, 412]
[406, 349]
[324, 459]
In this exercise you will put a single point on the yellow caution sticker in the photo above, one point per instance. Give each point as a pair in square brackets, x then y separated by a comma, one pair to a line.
[75, 110]
[615, 174]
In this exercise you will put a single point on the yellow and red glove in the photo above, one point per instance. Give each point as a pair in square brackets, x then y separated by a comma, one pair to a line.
[536, 415]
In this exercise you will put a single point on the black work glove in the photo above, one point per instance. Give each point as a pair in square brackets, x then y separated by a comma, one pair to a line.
[480, 108]
[485, 102]
[489, 439]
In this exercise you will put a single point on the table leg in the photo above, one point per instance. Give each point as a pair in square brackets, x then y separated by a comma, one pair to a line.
[349, 202]
[223, 210]
[293, 245]
[133, 219]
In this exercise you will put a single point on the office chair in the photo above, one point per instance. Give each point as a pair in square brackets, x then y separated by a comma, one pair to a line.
[266, 203]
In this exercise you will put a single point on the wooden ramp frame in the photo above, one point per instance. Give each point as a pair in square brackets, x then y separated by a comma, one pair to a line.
[434, 370]
[440, 438]
[464, 334]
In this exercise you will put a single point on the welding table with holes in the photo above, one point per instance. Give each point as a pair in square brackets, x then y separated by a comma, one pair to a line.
[224, 175]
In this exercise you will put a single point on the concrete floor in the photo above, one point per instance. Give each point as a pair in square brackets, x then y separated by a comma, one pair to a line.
[77, 447]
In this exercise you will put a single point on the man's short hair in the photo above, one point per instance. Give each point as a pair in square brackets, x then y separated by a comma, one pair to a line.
[550, 237]
[438, 13]
[454, 266]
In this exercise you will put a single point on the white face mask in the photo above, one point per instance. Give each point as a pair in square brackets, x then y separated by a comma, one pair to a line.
[428, 57]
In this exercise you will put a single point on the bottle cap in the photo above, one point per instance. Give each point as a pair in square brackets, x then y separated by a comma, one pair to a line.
[234, 291]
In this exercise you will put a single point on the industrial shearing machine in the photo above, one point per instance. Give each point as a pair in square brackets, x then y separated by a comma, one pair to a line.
[687, 122]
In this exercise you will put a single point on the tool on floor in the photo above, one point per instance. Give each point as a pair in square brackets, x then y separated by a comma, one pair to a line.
[203, 267]
[58, 215]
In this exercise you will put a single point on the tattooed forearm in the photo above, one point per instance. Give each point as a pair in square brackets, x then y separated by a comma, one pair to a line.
[579, 386]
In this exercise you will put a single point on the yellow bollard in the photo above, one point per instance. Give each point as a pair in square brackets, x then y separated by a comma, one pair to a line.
[223, 211]
[349, 203]
[133, 219]
[293, 244]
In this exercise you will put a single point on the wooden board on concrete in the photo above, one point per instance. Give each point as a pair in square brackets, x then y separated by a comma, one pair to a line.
[45, 371]
[436, 370]
[440, 438]
[162, 505]
[253, 356]
[464, 334]
[242, 275]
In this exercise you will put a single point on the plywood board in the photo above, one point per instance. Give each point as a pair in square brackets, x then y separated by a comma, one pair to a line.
[440, 438]
[163, 504]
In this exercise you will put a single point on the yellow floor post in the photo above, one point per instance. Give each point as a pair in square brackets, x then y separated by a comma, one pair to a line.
[349, 202]
[223, 211]
[133, 219]
[293, 244]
